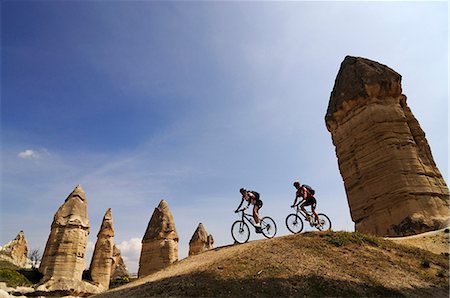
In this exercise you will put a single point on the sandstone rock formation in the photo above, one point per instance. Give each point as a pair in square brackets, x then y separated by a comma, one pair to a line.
[201, 241]
[160, 242]
[15, 251]
[63, 261]
[102, 257]
[64, 253]
[392, 183]
[118, 268]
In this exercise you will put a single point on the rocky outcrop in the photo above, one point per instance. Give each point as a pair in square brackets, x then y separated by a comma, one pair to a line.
[201, 241]
[15, 251]
[63, 261]
[118, 268]
[392, 183]
[102, 258]
[160, 242]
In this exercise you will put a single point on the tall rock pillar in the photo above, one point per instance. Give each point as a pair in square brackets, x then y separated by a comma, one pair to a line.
[392, 183]
[160, 242]
[102, 258]
[64, 252]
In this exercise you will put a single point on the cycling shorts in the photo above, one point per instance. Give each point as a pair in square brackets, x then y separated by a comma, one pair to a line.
[310, 202]
[259, 204]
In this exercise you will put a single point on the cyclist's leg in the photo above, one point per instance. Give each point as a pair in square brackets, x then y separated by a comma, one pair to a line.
[302, 206]
[313, 210]
[255, 213]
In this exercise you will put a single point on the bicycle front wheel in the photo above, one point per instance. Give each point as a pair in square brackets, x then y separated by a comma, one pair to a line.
[324, 222]
[294, 223]
[268, 227]
[240, 231]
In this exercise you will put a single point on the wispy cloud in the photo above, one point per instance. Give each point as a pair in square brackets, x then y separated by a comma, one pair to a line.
[29, 154]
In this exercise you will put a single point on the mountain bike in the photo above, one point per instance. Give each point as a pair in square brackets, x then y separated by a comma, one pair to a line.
[294, 222]
[240, 230]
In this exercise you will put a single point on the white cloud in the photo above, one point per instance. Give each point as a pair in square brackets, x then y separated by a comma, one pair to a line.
[29, 154]
[131, 252]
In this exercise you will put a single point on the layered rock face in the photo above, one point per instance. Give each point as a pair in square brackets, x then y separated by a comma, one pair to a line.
[63, 261]
[102, 259]
[201, 241]
[160, 242]
[392, 183]
[15, 251]
[118, 268]
[64, 253]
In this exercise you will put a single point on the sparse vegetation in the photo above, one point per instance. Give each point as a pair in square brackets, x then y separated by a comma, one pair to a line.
[35, 256]
[119, 282]
[13, 278]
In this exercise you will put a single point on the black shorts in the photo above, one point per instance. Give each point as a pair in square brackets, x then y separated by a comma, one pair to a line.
[310, 202]
[259, 204]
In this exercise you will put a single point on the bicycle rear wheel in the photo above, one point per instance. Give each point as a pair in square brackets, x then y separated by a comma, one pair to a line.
[240, 231]
[324, 223]
[268, 227]
[294, 223]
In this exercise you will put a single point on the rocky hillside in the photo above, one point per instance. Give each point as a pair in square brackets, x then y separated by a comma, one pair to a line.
[309, 264]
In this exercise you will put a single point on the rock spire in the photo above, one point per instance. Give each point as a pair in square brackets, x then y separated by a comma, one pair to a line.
[15, 251]
[64, 253]
[118, 268]
[201, 241]
[160, 242]
[392, 183]
[102, 258]
[63, 263]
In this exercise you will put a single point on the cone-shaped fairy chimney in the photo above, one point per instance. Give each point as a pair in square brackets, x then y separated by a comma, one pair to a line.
[392, 183]
[201, 241]
[118, 269]
[102, 258]
[64, 252]
[160, 242]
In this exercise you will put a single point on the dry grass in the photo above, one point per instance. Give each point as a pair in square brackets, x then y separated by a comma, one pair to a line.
[309, 264]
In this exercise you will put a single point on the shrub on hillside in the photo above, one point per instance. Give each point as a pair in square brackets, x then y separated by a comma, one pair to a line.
[13, 278]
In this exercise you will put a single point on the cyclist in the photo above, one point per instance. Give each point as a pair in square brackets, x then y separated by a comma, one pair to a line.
[307, 194]
[252, 197]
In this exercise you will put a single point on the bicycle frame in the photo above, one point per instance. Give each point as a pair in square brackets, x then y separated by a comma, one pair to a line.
[248, 217]
[305, 215]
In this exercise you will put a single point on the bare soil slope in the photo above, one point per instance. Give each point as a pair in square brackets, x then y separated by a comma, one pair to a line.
[436, 241]
[309, 264]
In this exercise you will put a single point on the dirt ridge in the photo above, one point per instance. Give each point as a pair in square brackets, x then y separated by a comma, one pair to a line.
[333, 264]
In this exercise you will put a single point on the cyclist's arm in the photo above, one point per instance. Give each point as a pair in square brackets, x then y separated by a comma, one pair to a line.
[242, 201]
[296, 197]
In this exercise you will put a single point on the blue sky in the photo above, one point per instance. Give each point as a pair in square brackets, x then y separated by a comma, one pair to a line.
[189, 101]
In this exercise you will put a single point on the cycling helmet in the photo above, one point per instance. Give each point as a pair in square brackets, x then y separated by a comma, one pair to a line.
[242, 190]
[296, 184]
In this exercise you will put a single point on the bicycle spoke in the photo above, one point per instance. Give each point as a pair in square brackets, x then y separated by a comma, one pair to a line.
[294, 223]
[240, 231]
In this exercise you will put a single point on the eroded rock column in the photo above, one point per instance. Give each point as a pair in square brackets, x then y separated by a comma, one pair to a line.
[160, 242]
[392, 183]
[64, 252]
[201, 241]
[102, 259]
